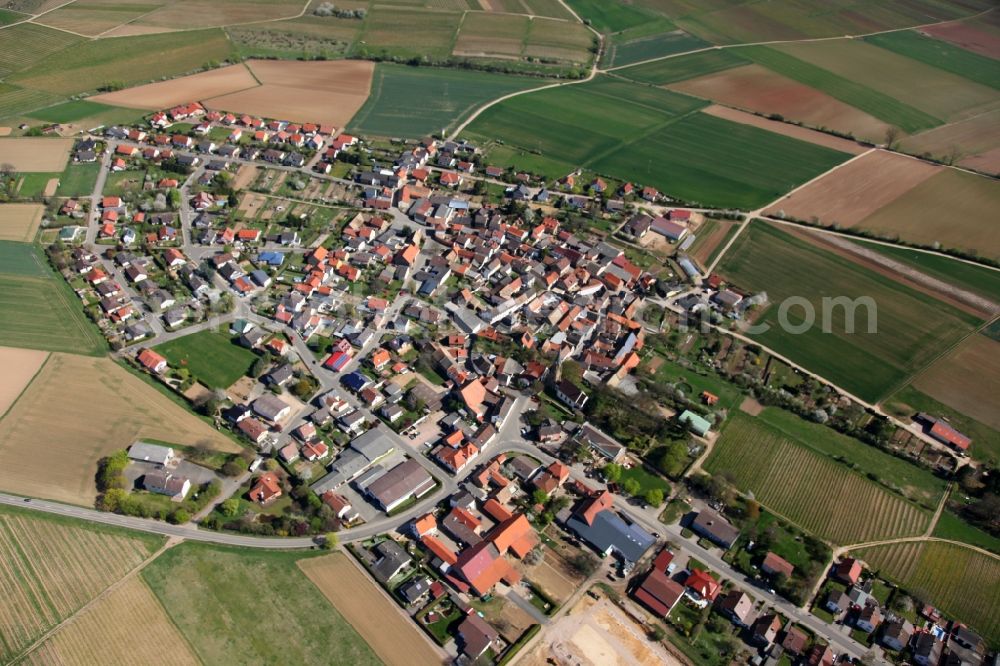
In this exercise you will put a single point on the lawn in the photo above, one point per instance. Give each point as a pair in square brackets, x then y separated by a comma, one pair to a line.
[78, 180]
[950, 526]
[415, 101]
[706, 160]
[125, 61]
[941, 54]
[816, 493]
[33, 184]
[911, 481]
[682, 68]
[669, 372]
[959, 581]
[229, 604]
[37, 308]
[865, 98]
[211, 356]
[646, 480]
[910, 328]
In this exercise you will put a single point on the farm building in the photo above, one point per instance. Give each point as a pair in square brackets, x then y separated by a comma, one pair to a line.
[404, 481]
[151, 453]
[164, 483]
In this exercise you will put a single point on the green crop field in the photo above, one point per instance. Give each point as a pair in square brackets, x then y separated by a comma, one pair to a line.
[911, 327]
[609, 16]
[125, 61]
[681, 68]
[907, 401]
[216, 597]
[413, 102]
[628, 47]
[211, 356]
[818, 494]
[913, 482]
[78, 180]
[979, 280]
[950, 526]
[25, 44]
[958, 580]
[577, 123]
[706, 160]
[73, 111]
[869, 100]
[941, 54]
[37, 308]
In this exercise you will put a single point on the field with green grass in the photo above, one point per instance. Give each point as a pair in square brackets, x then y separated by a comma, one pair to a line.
[950, 526]
[681, 68]
[941, 54]
[873, 101]
[211, 356]
[16, 101]
[977, 279]
[408, 32]
[33, 184]
[907, 401]
[910, 328]
[38, 310]
[808, 488]
[412, 102]
[911, 481]
[607, 16]
[219, 598]
[81, 109]
[706, 160]
[577, 124]
[78, 180]
[124, 61]
[959, 581]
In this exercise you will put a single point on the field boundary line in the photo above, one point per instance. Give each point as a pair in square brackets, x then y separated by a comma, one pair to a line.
[921, 539]
[807, 40]
[877, 241]
[48, 355]
[170, 543]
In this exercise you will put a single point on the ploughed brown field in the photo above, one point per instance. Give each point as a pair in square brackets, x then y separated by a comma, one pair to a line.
[968, 36]
[165, 94]
[19, 222]
[967, 380]
[327, 92]
[972, 143]
[77, 410]
[19, 367]
[778, 127]
[369, 611]
[856, 190]
[107, 633]
[30, 153]
[758, 89]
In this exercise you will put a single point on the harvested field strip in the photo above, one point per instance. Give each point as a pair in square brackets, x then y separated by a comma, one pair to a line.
[164, 94]
[811, 490]
[20, 367]
[35, 154]
[942, 55]
[106, 633]
[19, 222]
[967, 379]
[973, 143]
[369, 611]
[871, 101]
[786, 129]
[958, 580]
[214, 596]
[976, 36]
[49, 570]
